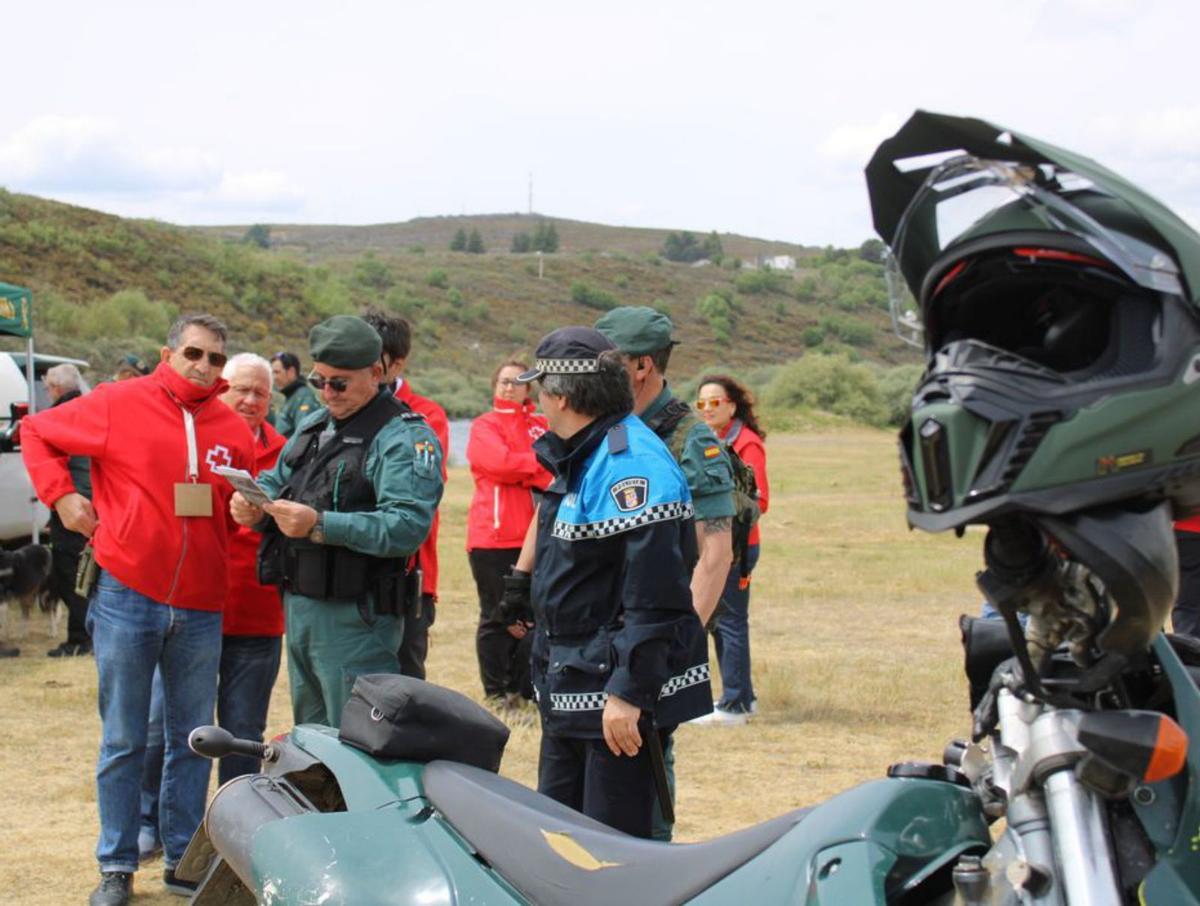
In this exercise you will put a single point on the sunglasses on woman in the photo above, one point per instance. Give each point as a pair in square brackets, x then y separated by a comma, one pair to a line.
[709, 404]
[336, 384]
[195, 354]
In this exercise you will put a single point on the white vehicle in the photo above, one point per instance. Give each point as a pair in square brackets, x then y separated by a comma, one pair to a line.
[20, 510]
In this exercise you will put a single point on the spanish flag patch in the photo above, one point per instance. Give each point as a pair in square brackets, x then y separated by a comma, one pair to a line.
[712, 452]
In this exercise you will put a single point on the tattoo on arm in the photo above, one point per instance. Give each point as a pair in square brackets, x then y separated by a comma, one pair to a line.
[713, 526]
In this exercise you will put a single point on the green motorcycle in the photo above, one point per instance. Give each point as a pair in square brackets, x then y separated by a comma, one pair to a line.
[1051, 299]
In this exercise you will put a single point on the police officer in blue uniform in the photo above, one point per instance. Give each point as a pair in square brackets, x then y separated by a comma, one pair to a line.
[618, 649]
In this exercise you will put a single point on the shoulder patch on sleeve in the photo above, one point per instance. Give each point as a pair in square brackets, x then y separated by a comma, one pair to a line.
[618, 439]
[426, 451]
[712, 452]
[630, 494]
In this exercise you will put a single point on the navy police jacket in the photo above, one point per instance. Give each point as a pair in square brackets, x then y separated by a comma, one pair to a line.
[615, 549]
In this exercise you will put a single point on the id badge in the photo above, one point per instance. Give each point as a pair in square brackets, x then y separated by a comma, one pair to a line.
[193, 499]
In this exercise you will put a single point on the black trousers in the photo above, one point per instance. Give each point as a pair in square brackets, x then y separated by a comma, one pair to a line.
[66, 546]
[1185, 617]
[414, 644]
[584, 775]
[503, 660]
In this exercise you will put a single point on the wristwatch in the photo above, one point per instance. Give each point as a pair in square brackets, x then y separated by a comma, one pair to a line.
[317, 535]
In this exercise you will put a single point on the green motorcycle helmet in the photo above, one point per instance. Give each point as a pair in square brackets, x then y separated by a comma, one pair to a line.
[1054, 303]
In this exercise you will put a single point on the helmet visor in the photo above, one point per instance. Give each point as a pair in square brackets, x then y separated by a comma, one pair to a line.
[967, 198]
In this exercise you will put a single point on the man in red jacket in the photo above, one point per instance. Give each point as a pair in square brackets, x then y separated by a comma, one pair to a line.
[397, 344]
[160, 531]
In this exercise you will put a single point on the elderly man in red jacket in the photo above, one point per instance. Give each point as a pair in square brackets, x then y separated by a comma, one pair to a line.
[160, 531]
[397, 344]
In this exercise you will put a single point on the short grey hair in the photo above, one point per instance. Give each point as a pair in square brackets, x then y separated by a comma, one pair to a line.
[600, 394]
[64, 375]
[208, 322]
[247, 360]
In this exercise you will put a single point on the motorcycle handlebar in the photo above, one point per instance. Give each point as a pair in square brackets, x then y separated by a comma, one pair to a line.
[215, 742]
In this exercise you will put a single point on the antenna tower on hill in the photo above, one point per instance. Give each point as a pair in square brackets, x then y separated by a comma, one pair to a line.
[531, 193]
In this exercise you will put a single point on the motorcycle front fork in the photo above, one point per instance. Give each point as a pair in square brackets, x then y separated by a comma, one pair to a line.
[1063, 853]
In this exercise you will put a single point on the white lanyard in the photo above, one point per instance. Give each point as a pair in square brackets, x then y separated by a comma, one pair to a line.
[189, 425]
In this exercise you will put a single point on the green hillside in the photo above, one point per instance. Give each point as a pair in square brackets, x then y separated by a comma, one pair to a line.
[106, 285]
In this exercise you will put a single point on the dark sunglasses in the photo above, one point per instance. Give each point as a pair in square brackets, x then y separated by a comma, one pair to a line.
[336, 384]
[195, 354]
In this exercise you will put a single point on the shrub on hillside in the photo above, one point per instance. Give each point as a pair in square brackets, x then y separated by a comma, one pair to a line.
[896, 386]
[460, 395]
[585, 294]
[438, 278]
[521, 244]
[327, 296]
[848, 330]
[127, 313]
[718, 310]
[372, 274]
[832, 383]
[762, 281]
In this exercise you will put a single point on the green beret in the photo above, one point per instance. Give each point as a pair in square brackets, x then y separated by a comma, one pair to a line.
[345, 341]
[636, 329]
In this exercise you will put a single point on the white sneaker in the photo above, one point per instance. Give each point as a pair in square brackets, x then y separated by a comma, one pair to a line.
[721, 717]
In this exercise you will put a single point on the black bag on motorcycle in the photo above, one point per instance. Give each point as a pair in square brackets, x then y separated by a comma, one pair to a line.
[392, 716]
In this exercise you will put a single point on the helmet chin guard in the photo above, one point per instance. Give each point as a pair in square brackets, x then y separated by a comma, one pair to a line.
[1134, 554]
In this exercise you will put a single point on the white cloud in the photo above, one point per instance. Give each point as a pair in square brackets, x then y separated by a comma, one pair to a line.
[91, 161]
[86, 154]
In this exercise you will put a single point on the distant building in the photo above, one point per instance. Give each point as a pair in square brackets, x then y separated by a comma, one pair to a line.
[780, 262]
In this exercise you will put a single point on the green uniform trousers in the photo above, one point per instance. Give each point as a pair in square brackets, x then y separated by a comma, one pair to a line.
[330, 644]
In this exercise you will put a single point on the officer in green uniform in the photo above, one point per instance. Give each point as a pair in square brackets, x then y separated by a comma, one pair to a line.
[353, 496]
[643, 336]
[298, 399]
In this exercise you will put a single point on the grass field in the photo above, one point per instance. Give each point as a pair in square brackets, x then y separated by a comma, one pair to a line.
[856, 665]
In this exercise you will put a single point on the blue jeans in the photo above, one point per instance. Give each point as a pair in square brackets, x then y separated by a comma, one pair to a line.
[249, 667]
[732, 638]
[132, 635]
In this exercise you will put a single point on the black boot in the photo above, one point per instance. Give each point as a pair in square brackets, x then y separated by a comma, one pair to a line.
[114, 889]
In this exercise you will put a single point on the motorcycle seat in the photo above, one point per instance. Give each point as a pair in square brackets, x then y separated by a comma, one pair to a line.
[554, 855]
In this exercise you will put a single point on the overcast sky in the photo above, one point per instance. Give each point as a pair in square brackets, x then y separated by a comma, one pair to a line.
[747, 117]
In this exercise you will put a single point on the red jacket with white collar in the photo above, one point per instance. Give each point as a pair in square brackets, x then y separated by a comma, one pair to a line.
[250, 608]
[134, 432]
[500, 451]
[427, 556]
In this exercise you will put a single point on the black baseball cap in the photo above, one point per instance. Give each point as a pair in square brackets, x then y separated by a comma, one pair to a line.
[568, 350]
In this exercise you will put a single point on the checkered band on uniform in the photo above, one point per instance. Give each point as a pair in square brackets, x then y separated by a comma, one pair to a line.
[578, 701]
[662, 512]
[567, 366]
[693, 676]
[595, 701]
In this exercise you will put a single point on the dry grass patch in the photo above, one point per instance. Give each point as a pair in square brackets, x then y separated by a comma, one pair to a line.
[856, 664]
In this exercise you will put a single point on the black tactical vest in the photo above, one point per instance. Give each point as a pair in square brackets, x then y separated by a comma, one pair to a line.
[328, 475]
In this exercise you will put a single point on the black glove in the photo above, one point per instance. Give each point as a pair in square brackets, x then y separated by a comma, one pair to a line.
[515, 605]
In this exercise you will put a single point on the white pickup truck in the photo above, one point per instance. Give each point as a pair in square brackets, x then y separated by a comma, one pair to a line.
[19, 507]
